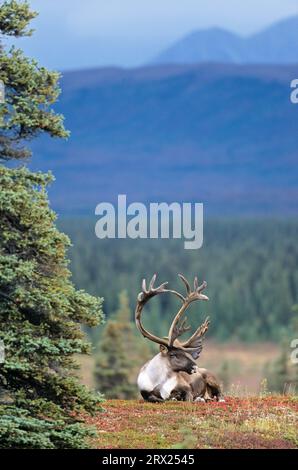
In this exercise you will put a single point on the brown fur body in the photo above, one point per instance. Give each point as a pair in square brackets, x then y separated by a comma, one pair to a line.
[200, 385]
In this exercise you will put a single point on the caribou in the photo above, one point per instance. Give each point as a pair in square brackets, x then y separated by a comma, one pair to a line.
[173, 374]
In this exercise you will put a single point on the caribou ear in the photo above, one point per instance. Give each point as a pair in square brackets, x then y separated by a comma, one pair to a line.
[197, 343]
[163, 349]
[195, 354]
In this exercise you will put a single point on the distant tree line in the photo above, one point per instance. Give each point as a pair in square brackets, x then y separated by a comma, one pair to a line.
[251, 267]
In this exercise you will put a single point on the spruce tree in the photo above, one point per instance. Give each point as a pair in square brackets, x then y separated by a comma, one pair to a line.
[41, 312]
[282, 373]
[120, 354]
[30, 90]
[278, 372]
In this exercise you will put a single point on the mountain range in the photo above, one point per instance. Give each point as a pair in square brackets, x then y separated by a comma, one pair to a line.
[276, 44]
[222, 134]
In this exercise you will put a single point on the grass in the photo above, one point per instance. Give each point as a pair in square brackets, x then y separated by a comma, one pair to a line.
[245, 423]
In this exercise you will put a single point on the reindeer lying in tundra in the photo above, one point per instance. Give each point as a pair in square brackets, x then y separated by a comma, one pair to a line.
[173, 373]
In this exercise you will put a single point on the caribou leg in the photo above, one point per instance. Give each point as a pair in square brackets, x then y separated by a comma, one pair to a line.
[151, 397]
[183, 391]
[154, 396]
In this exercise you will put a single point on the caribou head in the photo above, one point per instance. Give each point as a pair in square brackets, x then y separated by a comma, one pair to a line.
[160, 376]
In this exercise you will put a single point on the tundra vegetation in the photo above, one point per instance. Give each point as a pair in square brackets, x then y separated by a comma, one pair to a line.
[264, 422]
[41, 312]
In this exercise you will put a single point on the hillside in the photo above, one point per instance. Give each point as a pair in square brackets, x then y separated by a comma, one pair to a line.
[224, 135]
[273, 45]
[239, 423]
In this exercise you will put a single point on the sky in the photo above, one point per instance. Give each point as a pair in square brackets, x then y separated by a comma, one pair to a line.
[76, 34]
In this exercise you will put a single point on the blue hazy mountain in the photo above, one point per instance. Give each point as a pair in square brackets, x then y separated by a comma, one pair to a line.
[276, 44]
[225, 135]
